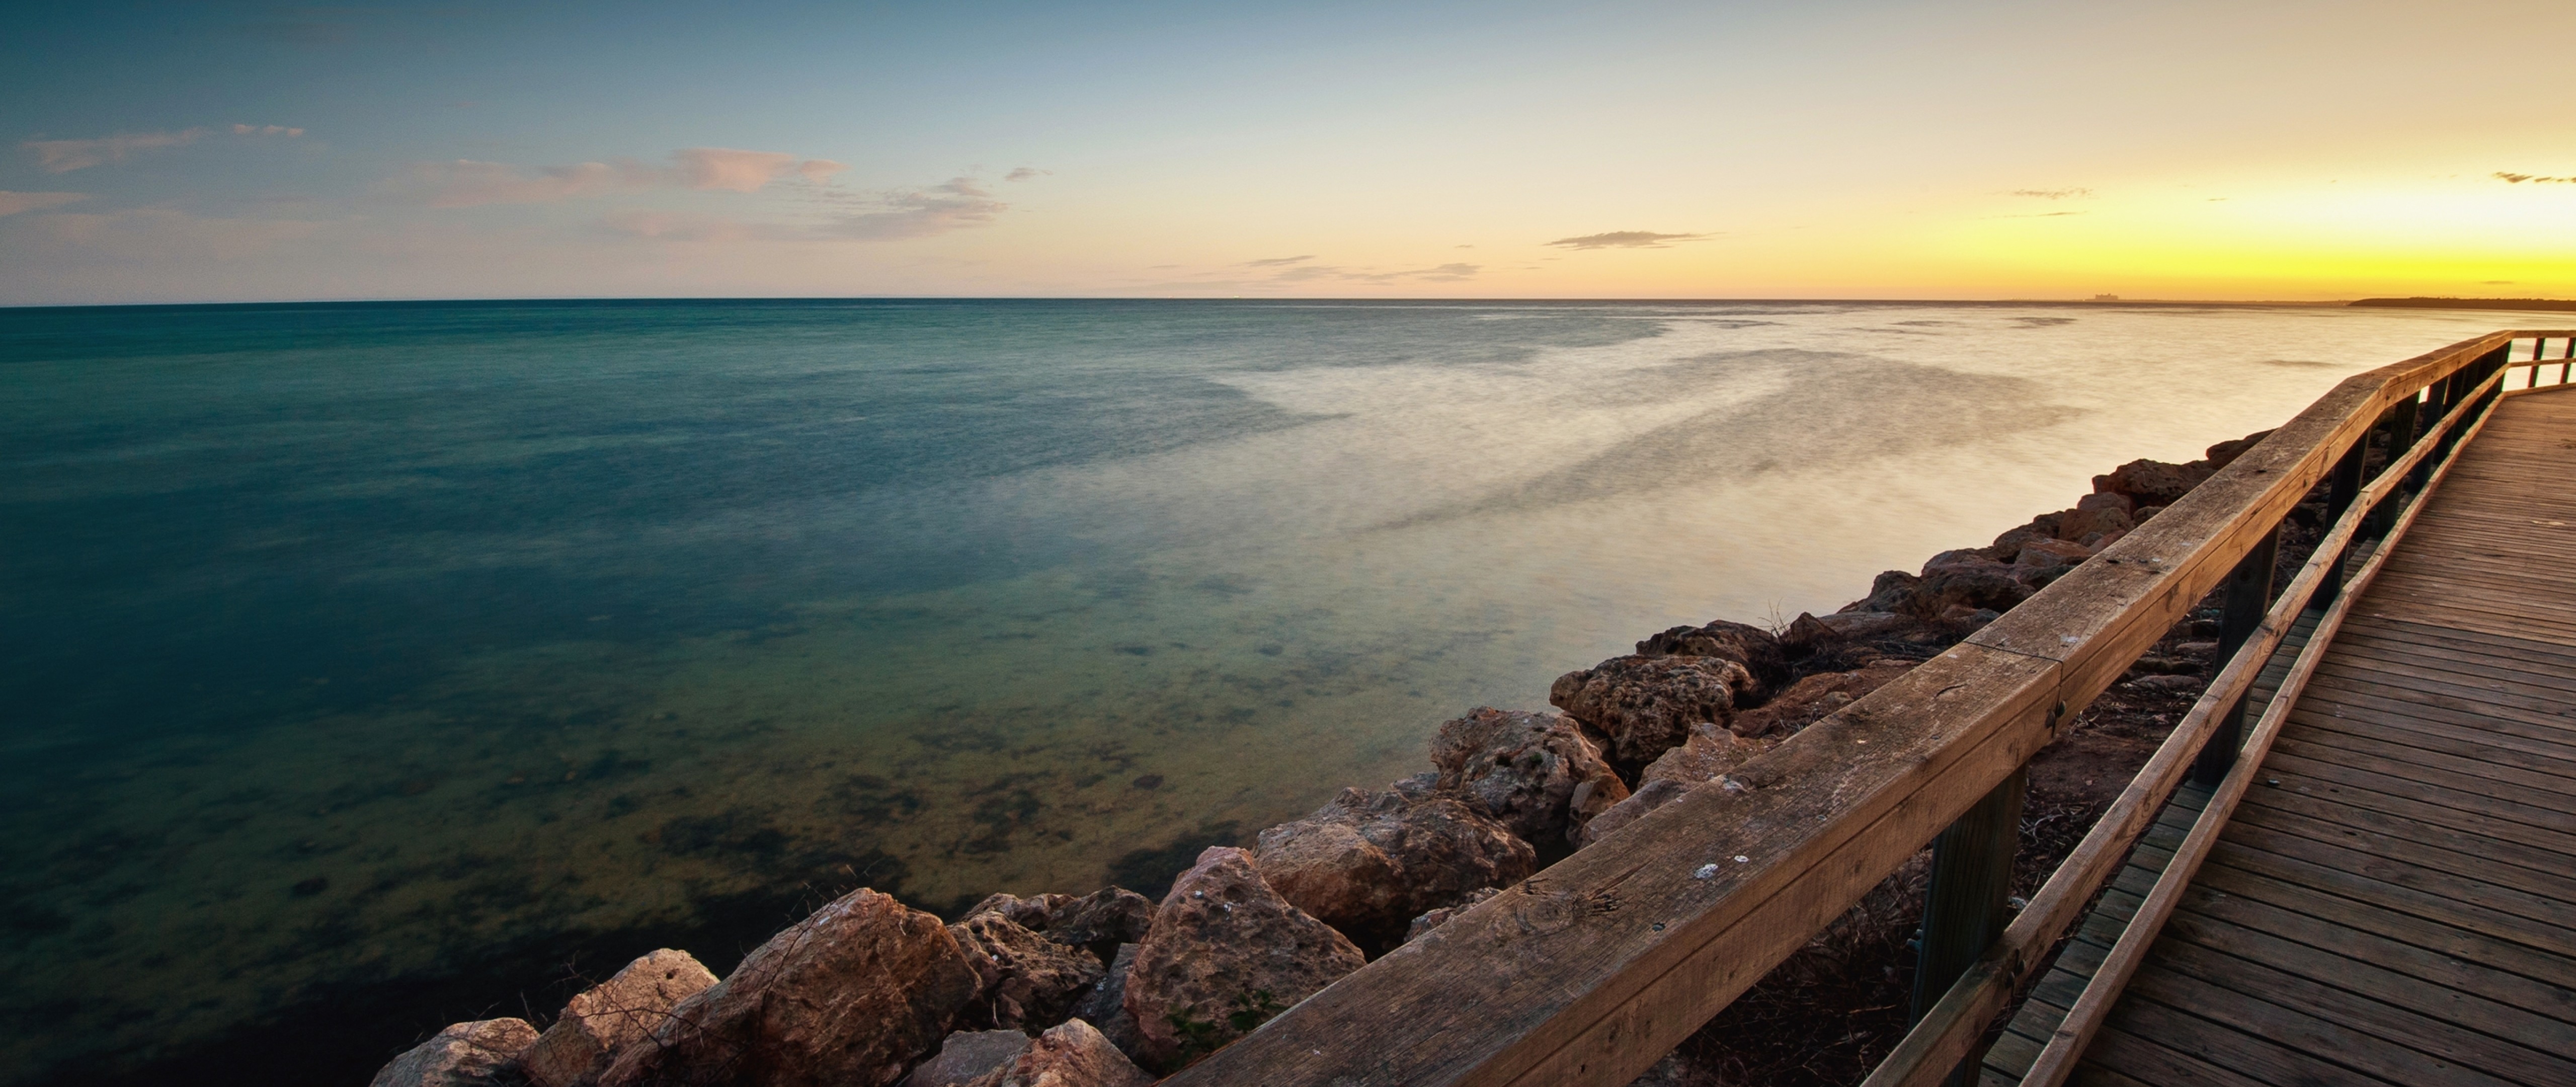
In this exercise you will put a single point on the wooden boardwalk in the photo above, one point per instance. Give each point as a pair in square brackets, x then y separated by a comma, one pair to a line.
[2395, 899]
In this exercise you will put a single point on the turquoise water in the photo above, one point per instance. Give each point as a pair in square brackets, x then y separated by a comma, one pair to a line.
[376, 666]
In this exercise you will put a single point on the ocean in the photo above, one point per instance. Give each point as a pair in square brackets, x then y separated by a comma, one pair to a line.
[375, 666]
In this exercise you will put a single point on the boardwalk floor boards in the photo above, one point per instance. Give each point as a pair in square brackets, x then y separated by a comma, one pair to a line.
[2395, 899]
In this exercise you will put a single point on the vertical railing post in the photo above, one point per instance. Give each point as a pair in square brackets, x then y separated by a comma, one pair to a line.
[1964, 908]
[2249, 595]
[2342, 487]
[2401, 437]
[2568, 366]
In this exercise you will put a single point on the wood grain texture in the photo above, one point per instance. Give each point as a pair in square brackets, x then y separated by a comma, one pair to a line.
[2401, 906]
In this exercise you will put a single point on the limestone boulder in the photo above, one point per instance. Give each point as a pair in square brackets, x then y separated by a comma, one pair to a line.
[1809, 700]
[1072, 1055]
[603, 1020]
[1710, 753]
[1024, 980]
[1888, 592]
[1432, 919]
[1225, 954]
[968, 1056]
[1967, 577]
[1648, 797]
[1099, 921]
[1640, 707]
[1102, 920]
[2097, 515]
[463, 1055]
[848, 997]
[1753, 647]
[2153, 482]
[1368, 863]
[1035, 913]
[1864, 626]
[1105, 1006]
[1535, 773]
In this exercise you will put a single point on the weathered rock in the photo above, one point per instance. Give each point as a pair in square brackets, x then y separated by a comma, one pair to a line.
[463, 1055]
[606, 1018]
[1889, 592]
[2153, 482]
[1035, 913]
[1226, 953]
[2051, 554]
[1753, 647]
[2101, 519]
[968, 1056]
[1105, 1006]
[845, 998]
[1967, 577]
[1102, 920]
[1863, 625]
[1710, 753]
[1535, 773]
[1025, 979]
[1648, 797]
[1435, 918]
[1809, 700]
[1368, 863]
[2169, 683]
[1072, 1055]
[1806, 635]
[2225, 453]
[1639, 707]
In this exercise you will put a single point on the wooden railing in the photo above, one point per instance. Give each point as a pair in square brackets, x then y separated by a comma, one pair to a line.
[1588, 972]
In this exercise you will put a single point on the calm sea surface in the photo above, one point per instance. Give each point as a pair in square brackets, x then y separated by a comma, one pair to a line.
[369, 667]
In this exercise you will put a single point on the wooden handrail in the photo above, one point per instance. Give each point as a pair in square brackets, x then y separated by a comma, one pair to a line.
[2067, 1043]
[1588, 972]
[1949, 1031]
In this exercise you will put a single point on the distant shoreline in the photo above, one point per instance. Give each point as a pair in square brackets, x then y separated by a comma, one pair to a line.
[2467, 303]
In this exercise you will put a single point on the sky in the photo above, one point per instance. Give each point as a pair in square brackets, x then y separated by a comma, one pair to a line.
[2298, 151]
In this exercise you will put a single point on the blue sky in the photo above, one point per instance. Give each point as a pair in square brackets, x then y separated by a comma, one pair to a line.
[182, 152]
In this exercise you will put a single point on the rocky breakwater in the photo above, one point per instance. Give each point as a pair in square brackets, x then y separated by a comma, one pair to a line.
[1111, 990]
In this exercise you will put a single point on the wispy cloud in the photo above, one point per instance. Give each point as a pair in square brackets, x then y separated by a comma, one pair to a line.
[2052, 194]
[1277, 262]
[1305, 273]
[466, 183]
[1025, 173]
[65, 156]
[956, 204]
[2536, 179]
[11, 203]
[1626, 239]
[745, 171]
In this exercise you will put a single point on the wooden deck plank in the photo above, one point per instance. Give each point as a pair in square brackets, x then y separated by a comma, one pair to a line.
[2396, 900]
[2416, 789]
[2430, 674]
[2436, 833]
[2436, 954]
[2363, 655]
[2456, 735]
[2472, 916]
[2445, 1023]
[2502, 649]
[2471, 785]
